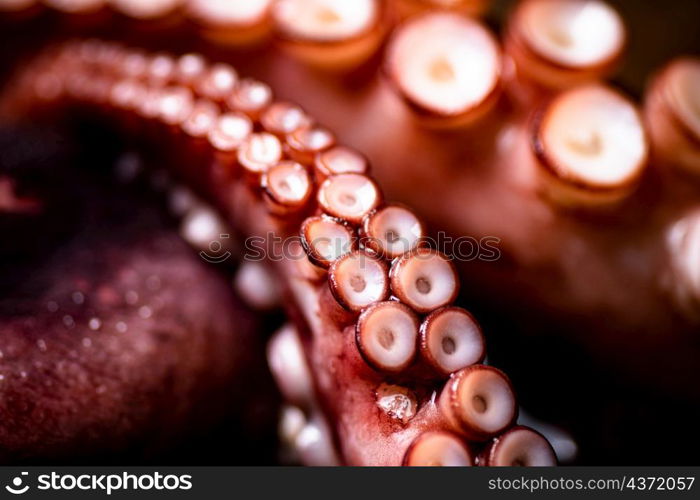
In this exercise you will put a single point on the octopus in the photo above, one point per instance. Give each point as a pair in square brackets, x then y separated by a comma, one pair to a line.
[402, 181]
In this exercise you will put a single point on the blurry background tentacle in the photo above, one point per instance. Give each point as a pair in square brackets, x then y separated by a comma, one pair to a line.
[597, 289]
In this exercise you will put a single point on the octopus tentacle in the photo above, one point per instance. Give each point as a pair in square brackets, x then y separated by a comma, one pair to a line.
[342, 354]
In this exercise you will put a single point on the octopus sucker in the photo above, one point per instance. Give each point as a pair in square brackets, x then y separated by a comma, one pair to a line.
[349, 197]
[451, 339]
[237, 23]
[596, 158]
[557, 45]
[358, 280]
[439, 448]
[431, 62]
[357, 132]
[519, 447]
[479, 402]
[424, 279]
[330, 34]
[672, 113]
